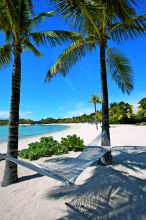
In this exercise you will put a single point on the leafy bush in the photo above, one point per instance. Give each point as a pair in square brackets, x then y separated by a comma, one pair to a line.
[47, 146]
[72, 142]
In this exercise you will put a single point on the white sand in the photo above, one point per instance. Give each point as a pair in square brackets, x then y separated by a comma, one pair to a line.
[36, 197]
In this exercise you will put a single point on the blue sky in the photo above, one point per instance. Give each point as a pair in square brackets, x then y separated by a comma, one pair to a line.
[69, 96]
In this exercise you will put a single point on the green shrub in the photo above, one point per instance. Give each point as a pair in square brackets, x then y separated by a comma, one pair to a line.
[47, 146]
[73, 143]
[58, 149]
[24, 153]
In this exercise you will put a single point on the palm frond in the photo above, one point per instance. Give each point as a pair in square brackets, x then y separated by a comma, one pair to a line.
[80, 13]
[70, 57]
[53, 37]
[14, 15]
[135, 28]
[28, 45]
[8, 15]
[120, 70]
[5, 55]
[39, 18]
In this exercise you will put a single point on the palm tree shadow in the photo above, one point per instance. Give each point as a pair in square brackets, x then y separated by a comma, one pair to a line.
[29, 177]
[109, 195]
[67, 190]
[133, 161]
[117, 196]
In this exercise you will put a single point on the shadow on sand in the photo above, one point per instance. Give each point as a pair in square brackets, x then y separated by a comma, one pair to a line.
[29, 177]
[108, 194]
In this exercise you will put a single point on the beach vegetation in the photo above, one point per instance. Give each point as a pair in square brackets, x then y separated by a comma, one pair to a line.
[72, 142]
[48, 147]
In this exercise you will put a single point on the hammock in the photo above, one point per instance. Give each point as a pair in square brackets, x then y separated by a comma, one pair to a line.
[65, 169]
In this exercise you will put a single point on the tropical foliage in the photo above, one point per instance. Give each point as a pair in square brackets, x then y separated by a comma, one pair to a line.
[120, 112]
[142, 108]
[47, 146]
[72, 142]
[99, 22]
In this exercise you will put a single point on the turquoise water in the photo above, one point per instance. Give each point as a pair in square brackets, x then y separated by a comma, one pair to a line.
[31, 130]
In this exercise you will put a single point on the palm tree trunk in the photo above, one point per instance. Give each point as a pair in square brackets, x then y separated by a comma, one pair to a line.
[104, 88]
[95, 108]
[105, 140]
[95, 117]
[11, 174]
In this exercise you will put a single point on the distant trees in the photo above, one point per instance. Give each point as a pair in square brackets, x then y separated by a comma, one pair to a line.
[120, 112]
[76, 119]
[4, 122]
[26, 121]
[142, 108]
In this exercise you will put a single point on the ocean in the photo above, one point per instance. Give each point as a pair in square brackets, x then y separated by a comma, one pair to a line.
[31, 130]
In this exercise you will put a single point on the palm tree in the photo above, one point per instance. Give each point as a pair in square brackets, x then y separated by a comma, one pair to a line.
[95, 100]
[99, 23]
[17, 22]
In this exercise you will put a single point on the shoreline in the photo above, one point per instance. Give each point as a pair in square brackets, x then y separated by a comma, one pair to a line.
[73, 128]
[36, 136]
[120, 135]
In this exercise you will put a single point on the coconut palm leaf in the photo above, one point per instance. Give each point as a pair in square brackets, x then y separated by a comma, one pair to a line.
[133, 29]
[6, 12]
[70, 56]
[79, 13]
[40, 18]
[120, 70]
[119, 7]
[12, 18]
[53, 37]
[75, 10]
[5, 55]
[95, 99]
[29, 46]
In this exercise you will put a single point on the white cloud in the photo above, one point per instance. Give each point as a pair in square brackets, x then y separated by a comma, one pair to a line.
[26, 114]
[23, 114]
[80, 109]
[4, 114]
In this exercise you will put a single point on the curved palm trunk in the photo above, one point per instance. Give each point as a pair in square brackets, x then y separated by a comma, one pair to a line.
[105, 140]
[11, 174]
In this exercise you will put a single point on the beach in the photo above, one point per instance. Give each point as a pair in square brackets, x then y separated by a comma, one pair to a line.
[39, 197]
